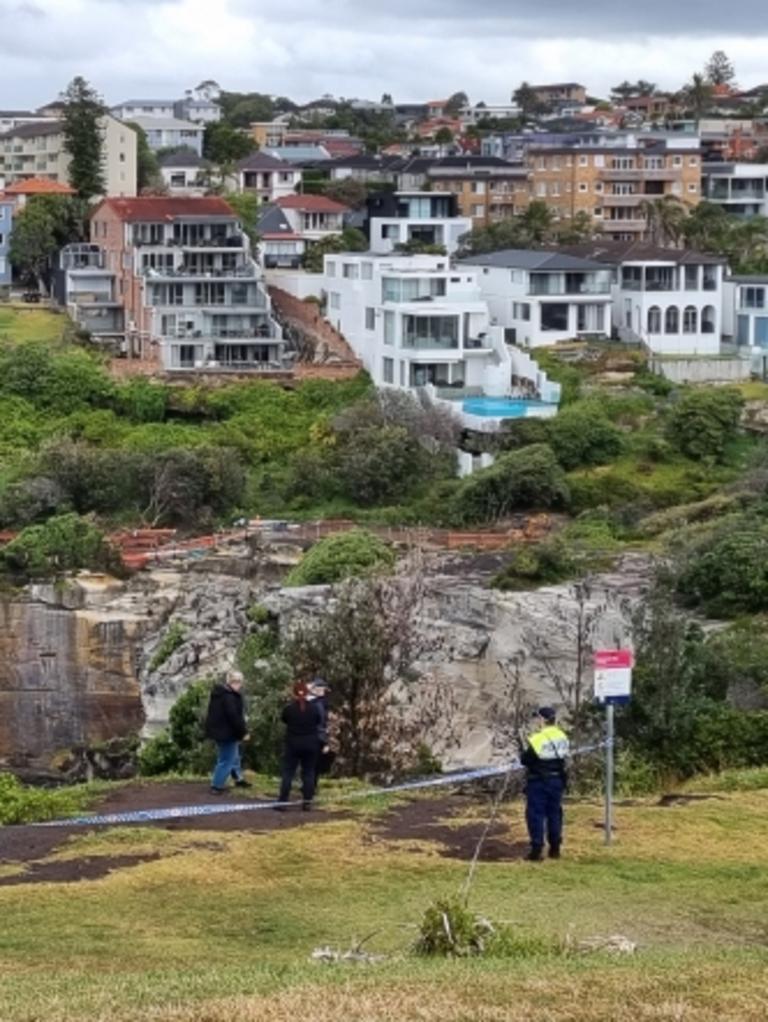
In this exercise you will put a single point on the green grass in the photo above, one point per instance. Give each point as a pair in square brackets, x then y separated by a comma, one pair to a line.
[223, 924]
[23, 324]
[754, 390]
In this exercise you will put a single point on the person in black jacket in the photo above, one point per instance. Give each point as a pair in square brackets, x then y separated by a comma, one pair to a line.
[225, 724]
[303, 719]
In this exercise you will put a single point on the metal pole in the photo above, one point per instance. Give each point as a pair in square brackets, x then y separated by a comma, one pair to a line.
[608, 773]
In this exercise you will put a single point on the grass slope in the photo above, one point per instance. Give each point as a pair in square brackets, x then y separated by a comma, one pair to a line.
[221, 926]
[21, 324]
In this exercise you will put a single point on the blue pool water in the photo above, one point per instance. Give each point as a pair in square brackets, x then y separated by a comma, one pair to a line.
[501, 407]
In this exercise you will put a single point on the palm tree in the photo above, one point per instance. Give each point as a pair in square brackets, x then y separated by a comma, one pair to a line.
[707, 227]
[665, 219]
[697, 94]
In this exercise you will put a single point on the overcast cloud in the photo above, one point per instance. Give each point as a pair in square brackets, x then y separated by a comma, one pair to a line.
[414, 49]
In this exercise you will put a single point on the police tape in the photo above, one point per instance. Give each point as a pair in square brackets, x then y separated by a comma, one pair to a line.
[222, 808]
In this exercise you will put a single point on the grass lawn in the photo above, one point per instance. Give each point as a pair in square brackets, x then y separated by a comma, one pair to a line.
[30, 324]
[221, 925]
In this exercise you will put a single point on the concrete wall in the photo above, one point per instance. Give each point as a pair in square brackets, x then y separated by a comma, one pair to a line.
[703, 370]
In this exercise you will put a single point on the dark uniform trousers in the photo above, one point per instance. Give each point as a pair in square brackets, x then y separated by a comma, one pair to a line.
[544, 809]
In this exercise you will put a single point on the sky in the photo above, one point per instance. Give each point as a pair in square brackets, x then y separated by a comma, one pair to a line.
[413, 49]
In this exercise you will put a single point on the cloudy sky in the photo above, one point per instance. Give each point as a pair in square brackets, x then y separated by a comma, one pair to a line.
[415, 49]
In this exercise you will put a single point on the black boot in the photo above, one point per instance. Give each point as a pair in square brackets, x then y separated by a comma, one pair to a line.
[535, 854]
[554, 851]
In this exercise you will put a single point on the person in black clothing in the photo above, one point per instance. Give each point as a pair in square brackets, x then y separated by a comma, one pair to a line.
[319, 691]
[225, 724]
[302, 718]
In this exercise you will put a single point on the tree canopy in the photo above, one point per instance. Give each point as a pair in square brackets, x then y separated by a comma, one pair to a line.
[83, 139]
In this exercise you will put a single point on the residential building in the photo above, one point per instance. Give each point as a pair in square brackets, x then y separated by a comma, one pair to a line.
[197, 105]
[542, 297]
[299, 155]
[10, 119]
[741, 189]
[193, 297]
[6, 224]
[20, 191]
[746, 312]
[670, 300]
[407, 218]
[266, 177]
[132, 109]
[416, 321]
[37, 151]
[171, 133]
[364, 167]
[270, 134]
[184, 172]
[312, 217]
[88, 290]
[611, 185]
[487, 188]
[280, 245]
[472, 115]
[651, 108]
[571, 92]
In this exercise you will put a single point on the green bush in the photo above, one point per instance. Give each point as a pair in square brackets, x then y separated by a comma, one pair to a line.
[173, 638]
[728, 575]
[449, 929]
[182, 748]
[63, 543]
[543, 564]
[22, 804]
[346, 555]
[519, 480]
[704, 421]
[582, 435]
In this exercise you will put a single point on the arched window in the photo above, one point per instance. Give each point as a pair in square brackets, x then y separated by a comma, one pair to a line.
[708, 319]
[672, 320]
[654, 320]
[690, 320]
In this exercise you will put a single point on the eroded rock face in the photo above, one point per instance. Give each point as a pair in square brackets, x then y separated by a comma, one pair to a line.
[79, 660]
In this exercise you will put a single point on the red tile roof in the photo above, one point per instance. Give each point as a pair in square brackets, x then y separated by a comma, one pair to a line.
[311, 204]
[38, 186]
[157, 207]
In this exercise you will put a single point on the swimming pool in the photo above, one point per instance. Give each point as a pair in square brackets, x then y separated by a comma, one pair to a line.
[506, 407]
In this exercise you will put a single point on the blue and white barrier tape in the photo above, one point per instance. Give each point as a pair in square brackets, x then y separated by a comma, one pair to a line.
[220, 808]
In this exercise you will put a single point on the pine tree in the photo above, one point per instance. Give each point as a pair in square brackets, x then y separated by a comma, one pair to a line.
[83, 140]
[719, 70]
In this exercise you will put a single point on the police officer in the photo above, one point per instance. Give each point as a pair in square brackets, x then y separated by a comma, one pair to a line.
[544, 758]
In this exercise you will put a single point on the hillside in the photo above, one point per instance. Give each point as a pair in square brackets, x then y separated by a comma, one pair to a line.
[210, 920]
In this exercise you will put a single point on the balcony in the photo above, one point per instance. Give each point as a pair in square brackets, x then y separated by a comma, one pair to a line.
[635, 174]
[430, 344]
[623, 200]
[539, 290]
[189, 272]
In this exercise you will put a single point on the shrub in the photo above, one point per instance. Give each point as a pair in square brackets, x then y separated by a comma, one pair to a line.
[22, 804]
[173, 638]
[580, 435]
[450, 930]
[143, 401]
[542, 564]
[346, 555]
[519, 480]
[729, 574]
[516, 433]
[63, 543]
[182, 747]
[704, 421]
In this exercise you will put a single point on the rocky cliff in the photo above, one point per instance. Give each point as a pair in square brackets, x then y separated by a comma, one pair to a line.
[89, 659]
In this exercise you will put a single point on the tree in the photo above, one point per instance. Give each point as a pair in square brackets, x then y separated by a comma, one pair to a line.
[697, 94]
[246, 205]
[348, 191]
[148, 174]
[241, 109]
[527, 99]
[577, 229]
[44, 225]
[337, 558]
[83, 140]
[537, 221]
[583, 435]
[443, 136]
[63, 543]
[224, 145]
[726, 574]
[351, 239]
[386, 99]
[719, 70]
[456, 103]
[622, 91]
[704, 421]
[665, 219]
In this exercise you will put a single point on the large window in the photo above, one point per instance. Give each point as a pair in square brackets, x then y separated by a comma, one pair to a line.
[370, 319]
[654, 320]
[554, 316]
[431, 331]
[690, 320]
[761, 331]
[691, 278]
[753, 298]
[397, 289]
[708, 319]
[388, 368]
[672, 320]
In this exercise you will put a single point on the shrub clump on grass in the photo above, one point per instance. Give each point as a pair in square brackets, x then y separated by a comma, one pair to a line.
[336, 558]
[449, 929]
[182, 748]
[22, 804]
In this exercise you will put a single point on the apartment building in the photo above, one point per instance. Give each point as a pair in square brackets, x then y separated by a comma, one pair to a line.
[197, 105]
[670, 300]
[37, 151]
[544, 297]
[611, 184]
[88, 290]
[472, 115]
[487, 188]
[571, 92]
[266, 177]
[408, 218]
[416, 321]
[6, 223]
[171, 133]
[741, 189]
[193, 297]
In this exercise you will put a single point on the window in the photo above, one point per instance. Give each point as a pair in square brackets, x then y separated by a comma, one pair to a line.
[753, 298]
[554, 188]
[350, 270]
[388, 367]
[691, 278]
[693, 187]
[599, 187]
[677, 161]
[366, 271]
[600, 160]
[334, 300]
[598, 212]
[478, 187]
[370, 319]
[654, 320]
[330, 269]
[583, 186]
[761, 331]
[521, 310]
[541, 189]
[583, 161]
[554, 316]
[478, 211]
[690, 320]
[672, 320]
[708, 319]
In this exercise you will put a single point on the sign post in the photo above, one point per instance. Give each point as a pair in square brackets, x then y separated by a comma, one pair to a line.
[613, 684]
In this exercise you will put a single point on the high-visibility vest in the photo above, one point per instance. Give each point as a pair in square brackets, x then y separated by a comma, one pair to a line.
[551, 743]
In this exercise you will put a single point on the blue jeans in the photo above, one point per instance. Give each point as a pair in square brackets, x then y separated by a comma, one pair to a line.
[227, 764]
[544, 810]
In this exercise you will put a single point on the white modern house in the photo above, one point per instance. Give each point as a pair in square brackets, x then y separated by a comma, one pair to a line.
[416, 321]
[266, 177]
[171, 133]
[741, 189]
[405, 218]
[670, 300]
[184, 172]
[542, 297]
[746, 312]
[198, 105]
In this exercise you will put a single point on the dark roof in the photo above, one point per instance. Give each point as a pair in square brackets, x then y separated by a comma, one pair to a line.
[153, 208]
[273, 223]
[558, 85]
[749, 278]
[533, 259]
[18, 113]
[365, 161]
[183, 158]
[616, 252]
[262, 161]
[34, 130]
[468, 161]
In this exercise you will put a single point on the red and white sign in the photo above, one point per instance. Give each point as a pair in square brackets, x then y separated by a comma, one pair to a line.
[613, 673]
